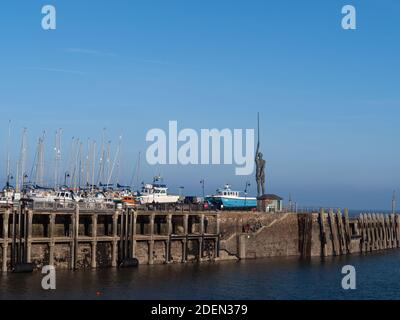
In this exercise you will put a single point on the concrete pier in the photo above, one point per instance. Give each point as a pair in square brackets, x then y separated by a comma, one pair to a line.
[79, 236]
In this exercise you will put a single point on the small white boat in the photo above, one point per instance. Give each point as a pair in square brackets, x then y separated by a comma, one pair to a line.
[156, 194]
[9, 196]
[41, 196]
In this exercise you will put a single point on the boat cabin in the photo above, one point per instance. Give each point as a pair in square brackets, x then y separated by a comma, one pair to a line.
[227, 192]
[160, 189]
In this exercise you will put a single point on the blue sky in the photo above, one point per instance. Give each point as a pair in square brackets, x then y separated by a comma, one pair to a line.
[329, 98]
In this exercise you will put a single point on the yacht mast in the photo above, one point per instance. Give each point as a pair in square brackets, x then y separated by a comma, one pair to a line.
[8, 154]
[87, 170]
[75, 167]
[93, 163]
[136, 173]
[22, 162]
[70, 163]
[57, 159]
[81, 170]
[115, 160]
[108, 159]
[40, 179]
[102, 158]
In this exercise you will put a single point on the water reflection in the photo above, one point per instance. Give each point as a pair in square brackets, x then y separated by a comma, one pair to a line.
[378, 277]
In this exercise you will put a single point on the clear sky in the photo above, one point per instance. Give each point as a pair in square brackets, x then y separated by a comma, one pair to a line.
[329, 98]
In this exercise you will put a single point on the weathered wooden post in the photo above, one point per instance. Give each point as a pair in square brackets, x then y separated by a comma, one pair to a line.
[377, 231]
[114, 252]
[383, 222]
[347, 231]
[152, 220]
[333, 229]
[134, 233]
[374, 241]
[363, 234]
[388, 233]
[381, 231]
[323, 237]
[342, 240]
[168, 242]
[151, 242]
[6, 217]
[52, 219]
[218, 232]
[94, 240]
[29, 237]
[393, 230]
[73, 238]
[202, 219]
[186, 240]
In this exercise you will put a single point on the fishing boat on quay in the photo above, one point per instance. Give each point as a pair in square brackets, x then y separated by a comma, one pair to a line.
[9, 196]
[226, 198]
[156, 193]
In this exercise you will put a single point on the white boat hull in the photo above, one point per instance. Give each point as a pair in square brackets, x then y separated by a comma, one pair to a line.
[158, 199]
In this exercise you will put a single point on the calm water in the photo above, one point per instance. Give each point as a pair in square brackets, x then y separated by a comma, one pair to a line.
[378, 277]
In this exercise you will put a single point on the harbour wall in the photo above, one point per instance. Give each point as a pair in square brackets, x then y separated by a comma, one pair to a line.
[96, 236]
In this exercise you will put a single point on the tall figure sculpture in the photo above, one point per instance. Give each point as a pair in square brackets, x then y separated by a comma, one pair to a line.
[260, 166]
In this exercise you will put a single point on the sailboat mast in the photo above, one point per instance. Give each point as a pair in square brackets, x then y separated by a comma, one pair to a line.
[93, 163]
[136, 173]
[102, 158]
[41, 162]
[35, 165]
[57, 152]
[115, 160]
[87, 170]
[81, 170]
[22, 162]
[8, 154]
[138, 169]
[108, 159]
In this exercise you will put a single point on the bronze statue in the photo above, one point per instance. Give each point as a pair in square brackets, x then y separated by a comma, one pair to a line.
[260, 172]
[260, 166]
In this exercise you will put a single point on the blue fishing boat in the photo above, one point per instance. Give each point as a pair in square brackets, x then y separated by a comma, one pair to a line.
[226, 198]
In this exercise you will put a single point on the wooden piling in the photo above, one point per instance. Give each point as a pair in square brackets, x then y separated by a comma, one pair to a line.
[29, 237]
[363, 245]
[6, 217]
[347, 231]
[52, 218]
[334, 235]
[114, 250]
[341, 233]
[384, 237]
[134, 232]
[323, 237]
[94, 241]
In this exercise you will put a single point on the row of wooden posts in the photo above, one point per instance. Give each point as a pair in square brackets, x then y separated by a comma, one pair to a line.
[335, 230]
[379, 232]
